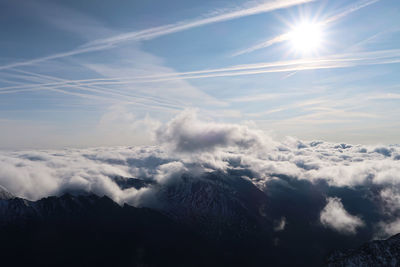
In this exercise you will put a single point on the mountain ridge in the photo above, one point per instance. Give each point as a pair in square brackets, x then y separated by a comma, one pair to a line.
[374, 253]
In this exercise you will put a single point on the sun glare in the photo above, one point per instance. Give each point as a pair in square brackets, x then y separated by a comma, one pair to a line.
[306, 37]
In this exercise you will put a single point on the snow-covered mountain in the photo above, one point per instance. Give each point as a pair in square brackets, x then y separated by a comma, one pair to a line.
[4, 194]
[211, 219]
[214, 201]
[89, 230]
[374, 253]
[19, 210]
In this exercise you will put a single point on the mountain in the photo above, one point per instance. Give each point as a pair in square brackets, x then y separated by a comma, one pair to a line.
[4, 194]
[91, 230]
[128, 182]
[374, 253]
[212, 219]
[226, 209]
[216, 202]
[206, 222]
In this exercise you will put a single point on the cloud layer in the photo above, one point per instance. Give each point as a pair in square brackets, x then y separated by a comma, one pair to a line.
[187, 145]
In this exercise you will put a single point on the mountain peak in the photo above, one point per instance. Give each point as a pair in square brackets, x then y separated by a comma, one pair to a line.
[4, 194]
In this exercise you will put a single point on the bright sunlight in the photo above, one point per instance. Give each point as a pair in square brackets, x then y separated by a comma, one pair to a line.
[306, 37]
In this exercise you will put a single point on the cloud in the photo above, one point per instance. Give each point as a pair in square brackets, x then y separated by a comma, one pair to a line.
[64, 18]
[384, 151]
[151, 33]
[346, 60]
[391, 199]
[286, 36]
[185, 25]
[336, 217]
[186, 133]
[167, 172]
[120, 125]
[267, 43]
[302, 180]
[350, 9]
[280, 225]
[165, 96]
[389, 229]
[4, 194]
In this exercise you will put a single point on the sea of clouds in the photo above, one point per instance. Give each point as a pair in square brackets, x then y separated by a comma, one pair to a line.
[190, 145]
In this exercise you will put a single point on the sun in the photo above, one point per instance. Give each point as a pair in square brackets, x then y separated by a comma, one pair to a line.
[306, 37]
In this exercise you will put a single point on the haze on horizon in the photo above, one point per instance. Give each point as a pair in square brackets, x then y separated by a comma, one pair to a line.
[102, 73]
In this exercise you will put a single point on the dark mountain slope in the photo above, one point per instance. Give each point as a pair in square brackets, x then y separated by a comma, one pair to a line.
[93, 231]
[374, 253]
[4, 194]
[213, 219]
[216, 202]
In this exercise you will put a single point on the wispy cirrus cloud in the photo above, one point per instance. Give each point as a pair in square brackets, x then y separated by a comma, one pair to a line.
[264, 44]
[329, 62]
[185, 25]
[151, 33]
[350, 9]
[286, 36]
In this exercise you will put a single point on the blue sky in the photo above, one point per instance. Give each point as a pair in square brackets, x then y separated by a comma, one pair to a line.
[94, 73]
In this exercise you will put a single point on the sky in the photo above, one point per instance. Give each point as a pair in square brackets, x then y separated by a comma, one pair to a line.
[102, 73]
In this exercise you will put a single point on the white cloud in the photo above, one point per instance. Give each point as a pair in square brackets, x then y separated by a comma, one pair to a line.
[188, 144]
[346, 60]
[389, 229]
[280, 225]
[186, 133]
[167, 172]
[151, 33]
[336, 217]
[208, 144]
[120, 126]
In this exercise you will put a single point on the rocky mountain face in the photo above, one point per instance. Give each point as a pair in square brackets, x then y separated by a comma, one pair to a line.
[90, 230]
[215, 219]
[216, 203]
[4, 194]
[212, 220]
[374, 253]
[219, 205]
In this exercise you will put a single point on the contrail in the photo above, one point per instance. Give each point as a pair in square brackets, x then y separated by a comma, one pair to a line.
[265, 44]
[285, 36]
[151, 33]
[329, 62]
[350, 10]
[109, 95]
[55, 56]
[185, 25]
